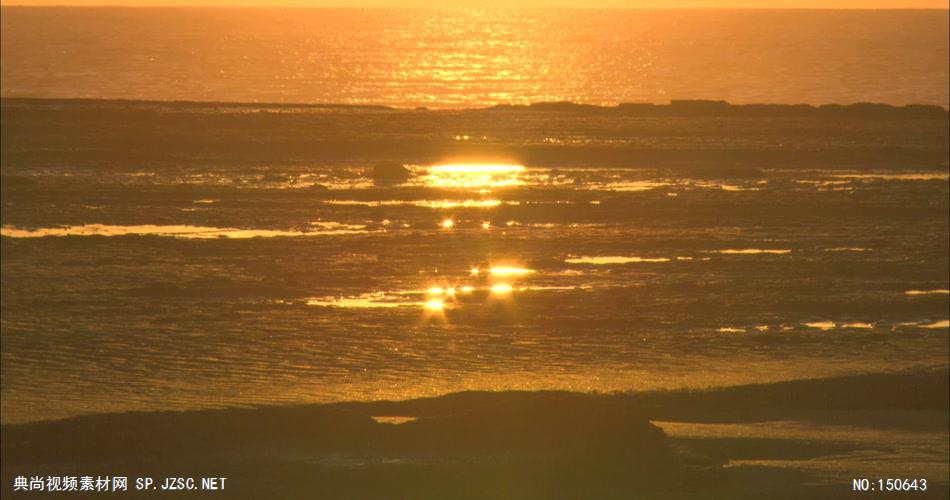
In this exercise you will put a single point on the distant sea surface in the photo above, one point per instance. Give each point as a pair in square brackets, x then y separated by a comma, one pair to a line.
[466, 58]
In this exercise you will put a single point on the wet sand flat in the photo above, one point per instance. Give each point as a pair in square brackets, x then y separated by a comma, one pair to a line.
[786, 438]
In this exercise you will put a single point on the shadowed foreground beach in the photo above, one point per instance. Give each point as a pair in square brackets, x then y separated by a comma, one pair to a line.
[525, 444]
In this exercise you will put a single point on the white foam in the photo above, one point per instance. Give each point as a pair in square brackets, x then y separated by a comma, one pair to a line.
[178, 231]
[613, 259]
[751, 251]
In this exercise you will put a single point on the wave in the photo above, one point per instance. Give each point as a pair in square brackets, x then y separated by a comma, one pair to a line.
[682, 134]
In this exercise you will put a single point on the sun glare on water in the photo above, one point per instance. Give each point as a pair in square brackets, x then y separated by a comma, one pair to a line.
[509, 270]
[474, 175]
[435, 305]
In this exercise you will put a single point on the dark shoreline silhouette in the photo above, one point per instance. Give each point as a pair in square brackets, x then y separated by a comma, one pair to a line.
[484, 444]
[675, 107]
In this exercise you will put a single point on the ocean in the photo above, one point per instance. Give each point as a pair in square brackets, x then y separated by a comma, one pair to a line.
[335, 253]
[472, 58]
[160, 256]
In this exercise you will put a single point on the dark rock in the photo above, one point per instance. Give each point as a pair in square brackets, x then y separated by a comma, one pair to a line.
[390, 173]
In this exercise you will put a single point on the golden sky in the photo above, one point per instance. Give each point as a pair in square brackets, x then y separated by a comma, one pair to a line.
[869, 4]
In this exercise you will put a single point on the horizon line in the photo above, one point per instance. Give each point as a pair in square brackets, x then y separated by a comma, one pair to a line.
[436, 107]
[460, 7]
